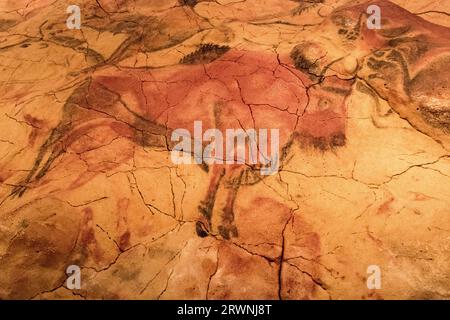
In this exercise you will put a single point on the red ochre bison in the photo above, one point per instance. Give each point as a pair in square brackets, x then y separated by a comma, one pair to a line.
[222, 88]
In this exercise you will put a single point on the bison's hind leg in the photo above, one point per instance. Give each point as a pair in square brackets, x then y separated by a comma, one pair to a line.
[53, 146]
[50, 150]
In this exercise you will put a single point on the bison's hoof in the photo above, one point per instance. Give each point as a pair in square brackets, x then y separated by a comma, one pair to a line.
[201, 229]
[228, 232]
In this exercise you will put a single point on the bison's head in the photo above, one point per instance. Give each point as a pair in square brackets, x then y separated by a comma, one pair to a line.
[345, 39]
[405, 60]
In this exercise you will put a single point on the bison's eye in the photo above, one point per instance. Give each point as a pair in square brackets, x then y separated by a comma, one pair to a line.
[324, 104]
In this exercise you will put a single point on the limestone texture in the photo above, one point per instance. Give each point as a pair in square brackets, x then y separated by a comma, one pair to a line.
[87, 176]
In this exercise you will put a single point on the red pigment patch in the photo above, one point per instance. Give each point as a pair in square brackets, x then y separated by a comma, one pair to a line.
[87, 234]
[241, 275]
[239, 90]
[88, 241]
[386, 206]
[122, 223]
[36, 125]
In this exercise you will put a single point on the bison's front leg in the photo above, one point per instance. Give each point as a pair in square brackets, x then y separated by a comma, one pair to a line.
[222, 191]
[206, 206]
[226, 199]
[227, 229]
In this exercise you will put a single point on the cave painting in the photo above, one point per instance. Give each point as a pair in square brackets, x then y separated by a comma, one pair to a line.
[209, 150]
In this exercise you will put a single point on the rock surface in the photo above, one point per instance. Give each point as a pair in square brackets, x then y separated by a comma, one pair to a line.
[87, 177]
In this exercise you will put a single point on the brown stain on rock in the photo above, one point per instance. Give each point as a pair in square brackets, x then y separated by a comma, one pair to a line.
[37, 126]
[241, 275]
[88, 241]
[122, 224]
[36, 257]
[293, 272]
[385, 208]
[301, 272]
